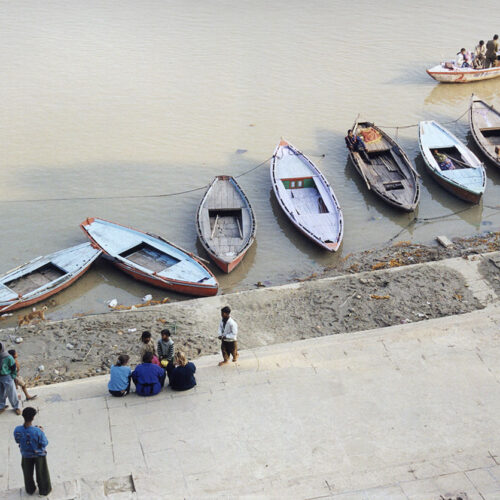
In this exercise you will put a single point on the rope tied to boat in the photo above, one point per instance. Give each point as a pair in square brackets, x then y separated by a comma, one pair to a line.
[136, 196]
[401, 127]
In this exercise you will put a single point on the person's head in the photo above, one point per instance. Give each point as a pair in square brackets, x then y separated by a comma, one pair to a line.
[165, 334]
[148, 357]
[122, 359]
[29, 414]
[225, 312]
[495, 37]
[180, 358]
[481, 43]
[435, 151]
[146, 337]
[462, 51]
[349, 132]
[13, 353]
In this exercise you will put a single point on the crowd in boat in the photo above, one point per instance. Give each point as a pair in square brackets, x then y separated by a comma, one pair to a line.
[485, 55]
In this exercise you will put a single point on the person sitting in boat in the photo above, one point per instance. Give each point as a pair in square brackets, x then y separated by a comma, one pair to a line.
[443, 161]
[463, 59]
[356, 144]
[479, 55]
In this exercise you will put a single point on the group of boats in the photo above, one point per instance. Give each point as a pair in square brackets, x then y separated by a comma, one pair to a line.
[225, 220]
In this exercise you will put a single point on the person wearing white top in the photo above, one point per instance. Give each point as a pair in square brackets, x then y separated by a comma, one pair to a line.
[479, 55]
[228, 335]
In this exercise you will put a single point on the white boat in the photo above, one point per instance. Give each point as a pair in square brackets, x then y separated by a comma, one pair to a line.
[150, 258]
[43, 277]
[466, 178]
[306, 197]
[447, 72]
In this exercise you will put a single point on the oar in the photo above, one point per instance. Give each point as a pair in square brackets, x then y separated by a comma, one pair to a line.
[460, 162]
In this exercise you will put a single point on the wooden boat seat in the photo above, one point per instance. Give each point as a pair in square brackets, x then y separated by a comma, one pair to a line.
[392, 185]
[36, 279]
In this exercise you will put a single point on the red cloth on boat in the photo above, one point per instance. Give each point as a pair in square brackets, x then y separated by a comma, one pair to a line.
[370, 135]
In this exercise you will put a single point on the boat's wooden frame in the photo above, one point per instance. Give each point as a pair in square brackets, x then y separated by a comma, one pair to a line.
[151, 276]
[453, 181]
[465, 75]
[482, 118]
[394, 168]
[224, 195]
[325, 193]
[71, 262]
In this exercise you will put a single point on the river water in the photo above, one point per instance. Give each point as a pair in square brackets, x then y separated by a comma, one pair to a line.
[106, 105]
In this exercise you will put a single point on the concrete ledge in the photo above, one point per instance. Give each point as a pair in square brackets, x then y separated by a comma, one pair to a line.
[408, 411]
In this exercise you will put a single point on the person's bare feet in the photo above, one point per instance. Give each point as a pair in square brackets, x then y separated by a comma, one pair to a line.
[30, 398]
[235, 358]
[18, 411]
[223, 363]
[4, 408]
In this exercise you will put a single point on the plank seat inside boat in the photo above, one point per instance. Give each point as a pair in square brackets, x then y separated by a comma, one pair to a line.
[149, 257]
[390, 186]
[226, 223]
[492, 134]
[36, 279]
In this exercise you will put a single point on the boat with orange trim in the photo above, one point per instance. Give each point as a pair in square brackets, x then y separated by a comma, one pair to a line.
[150, 258]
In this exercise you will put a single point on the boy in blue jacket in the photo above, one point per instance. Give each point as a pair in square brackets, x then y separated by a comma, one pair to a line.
[32, 443]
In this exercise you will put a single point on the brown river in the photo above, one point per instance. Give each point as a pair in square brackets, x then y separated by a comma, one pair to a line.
[108, 106]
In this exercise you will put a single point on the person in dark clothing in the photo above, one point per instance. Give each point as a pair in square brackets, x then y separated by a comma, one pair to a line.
[165, 349]
[181, 373]
[148, 378]
[355, 144]
[32, 443]
[491, 52]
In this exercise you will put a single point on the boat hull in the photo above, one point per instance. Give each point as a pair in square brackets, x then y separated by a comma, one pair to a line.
[458, 191]
[482, 143]
[35, 300]
[227, 267]
[239, 203]
[374, 173]
[401, 206]
[457, 76]
[185, 288]
[69, 265]
[333, 241]
[466, 183]
[150, 277]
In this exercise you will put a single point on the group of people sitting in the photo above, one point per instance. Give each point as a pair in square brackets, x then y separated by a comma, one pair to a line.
[158, 362]
[484, 56]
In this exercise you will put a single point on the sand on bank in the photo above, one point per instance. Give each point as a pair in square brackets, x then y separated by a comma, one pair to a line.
[88, 346]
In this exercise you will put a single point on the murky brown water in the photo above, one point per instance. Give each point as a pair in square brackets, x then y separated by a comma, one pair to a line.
[146, 98]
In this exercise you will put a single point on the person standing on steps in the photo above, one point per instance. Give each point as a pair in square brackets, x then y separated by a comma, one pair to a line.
[8, 373]
[32, 443]
[228, 334]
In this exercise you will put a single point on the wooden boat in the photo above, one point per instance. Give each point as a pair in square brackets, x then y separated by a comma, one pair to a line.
[150, 258]
[306, 197]
[43, 277]
[386, 169]
[225, 222]
[467, 178]
[484, 123]
[447, 73]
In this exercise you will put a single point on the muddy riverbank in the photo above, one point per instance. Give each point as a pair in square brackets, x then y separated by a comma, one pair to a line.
[353, 300]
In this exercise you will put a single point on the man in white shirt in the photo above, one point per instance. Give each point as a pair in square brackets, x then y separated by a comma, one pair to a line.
[228, 334]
